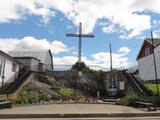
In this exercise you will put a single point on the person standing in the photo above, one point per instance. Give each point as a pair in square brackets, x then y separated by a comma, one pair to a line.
[98, 94]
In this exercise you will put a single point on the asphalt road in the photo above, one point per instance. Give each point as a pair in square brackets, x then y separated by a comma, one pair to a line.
[130, 118]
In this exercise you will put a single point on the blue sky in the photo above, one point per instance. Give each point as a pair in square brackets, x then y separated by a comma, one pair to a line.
[43, 24]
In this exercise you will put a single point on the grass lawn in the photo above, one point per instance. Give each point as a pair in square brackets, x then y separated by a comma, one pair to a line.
[153, 86]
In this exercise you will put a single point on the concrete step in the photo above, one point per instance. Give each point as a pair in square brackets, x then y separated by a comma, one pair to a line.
[110, 100]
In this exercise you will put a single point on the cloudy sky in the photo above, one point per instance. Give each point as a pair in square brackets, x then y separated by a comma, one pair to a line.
[43, 24]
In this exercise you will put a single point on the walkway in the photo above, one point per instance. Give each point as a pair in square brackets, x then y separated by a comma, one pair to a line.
[70, 109]
[75, 111]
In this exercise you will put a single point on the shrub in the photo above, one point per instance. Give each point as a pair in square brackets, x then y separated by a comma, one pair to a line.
[5, 86]
[74, 74]
[56, 98]
[128, 100]
[26, 98]
[33, 98]
[42, 77]
[43, 97]
[65, 91]
[12, 98]
[22, 97]
[86, 70]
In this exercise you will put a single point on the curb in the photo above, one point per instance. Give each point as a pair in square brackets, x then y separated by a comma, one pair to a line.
[87, 115]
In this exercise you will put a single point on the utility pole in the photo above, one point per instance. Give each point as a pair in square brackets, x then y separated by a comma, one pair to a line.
[3, 71]
[110, 49]
[155, 69]
[111, 74]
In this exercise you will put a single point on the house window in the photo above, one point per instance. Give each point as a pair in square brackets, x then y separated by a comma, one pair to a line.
[147, 51]
[14, 67]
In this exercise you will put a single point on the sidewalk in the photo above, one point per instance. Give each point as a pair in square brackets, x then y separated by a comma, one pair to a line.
[74, 110]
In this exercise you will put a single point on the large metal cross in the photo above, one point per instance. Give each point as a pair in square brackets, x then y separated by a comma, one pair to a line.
[79, 35]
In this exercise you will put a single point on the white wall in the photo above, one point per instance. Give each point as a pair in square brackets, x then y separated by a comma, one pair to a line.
[146, 66]
[48, 61]
[8, 70]
[34, 64]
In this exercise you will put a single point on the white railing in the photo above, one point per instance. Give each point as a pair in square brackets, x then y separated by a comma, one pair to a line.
[92, 67]
[68, 67]
[41, 68]
[58, 67]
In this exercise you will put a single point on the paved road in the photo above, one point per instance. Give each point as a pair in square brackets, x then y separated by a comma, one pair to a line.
[140, 118]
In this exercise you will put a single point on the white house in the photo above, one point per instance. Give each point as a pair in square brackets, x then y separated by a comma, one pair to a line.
[36, 59]
[145, 59]
[9, 67]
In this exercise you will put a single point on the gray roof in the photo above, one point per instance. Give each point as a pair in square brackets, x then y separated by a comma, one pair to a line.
[39, 54]
[156, 41]
[9, 57]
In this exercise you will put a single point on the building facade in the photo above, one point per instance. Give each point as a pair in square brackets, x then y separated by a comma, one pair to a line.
[36, 59]
[145, 59]
[9, 68]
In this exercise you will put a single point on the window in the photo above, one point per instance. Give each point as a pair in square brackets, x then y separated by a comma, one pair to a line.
[14, 67]
[147, 51]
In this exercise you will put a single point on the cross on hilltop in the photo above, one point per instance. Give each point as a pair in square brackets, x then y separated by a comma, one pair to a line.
[80, 36]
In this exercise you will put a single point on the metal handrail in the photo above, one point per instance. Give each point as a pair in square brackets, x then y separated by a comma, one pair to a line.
[58, 67]
[146, 85]
[136, 83]
[28, 69]
[12, 78]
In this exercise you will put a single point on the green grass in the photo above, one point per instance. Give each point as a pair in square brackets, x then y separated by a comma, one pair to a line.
[153, 87]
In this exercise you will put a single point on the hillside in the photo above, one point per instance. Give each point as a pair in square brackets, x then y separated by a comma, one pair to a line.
[50, 84]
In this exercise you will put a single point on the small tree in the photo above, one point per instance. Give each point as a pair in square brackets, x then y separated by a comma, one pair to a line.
[79, 66]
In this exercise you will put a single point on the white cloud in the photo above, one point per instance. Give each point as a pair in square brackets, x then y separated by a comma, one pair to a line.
[17, 9]
[124, 50]
[30, 42]
[99, 60]
[65, 60]
[156, 34]
[109, 29]
[156, 22]
[123, 13]
[58, 46]
[118, 60]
